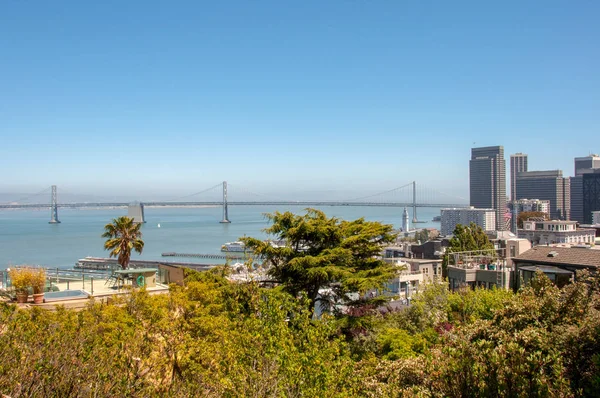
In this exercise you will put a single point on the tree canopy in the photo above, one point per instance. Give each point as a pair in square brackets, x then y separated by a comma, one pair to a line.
[467, 238]
[122, 236]
[321, 252]
[524, 216]
[215, 338]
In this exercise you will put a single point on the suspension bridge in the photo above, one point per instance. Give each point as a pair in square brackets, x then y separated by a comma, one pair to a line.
[410, 195]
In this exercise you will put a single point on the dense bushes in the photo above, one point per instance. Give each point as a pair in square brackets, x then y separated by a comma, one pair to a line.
[214, 338]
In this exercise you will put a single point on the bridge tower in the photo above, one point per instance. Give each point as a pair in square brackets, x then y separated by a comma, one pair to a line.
[415, 219]
[225, 219]
[135, 210]
[54, 207]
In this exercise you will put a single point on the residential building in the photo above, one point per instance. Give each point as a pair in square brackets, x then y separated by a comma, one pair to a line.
[591, 194]
[487, 181]
[485, 218]
[527, 205]
[518, 164]
[546, 185]
[555, 231]
[560, 264]
[412, 274]
[583, 165]
[489, 268]
[432, 249]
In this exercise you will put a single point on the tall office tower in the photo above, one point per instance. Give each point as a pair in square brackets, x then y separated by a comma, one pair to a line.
[487, 181]
[586, 163]
[518, 164]
[547, 185]
[591, 195]
[583, 165]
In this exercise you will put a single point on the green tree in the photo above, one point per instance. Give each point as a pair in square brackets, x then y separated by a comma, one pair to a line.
[524, 216]
[466, 238]
[422, 236]
[123, 236]
[322, 252]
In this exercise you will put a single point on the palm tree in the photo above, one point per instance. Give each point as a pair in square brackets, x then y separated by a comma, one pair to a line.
[123, 235]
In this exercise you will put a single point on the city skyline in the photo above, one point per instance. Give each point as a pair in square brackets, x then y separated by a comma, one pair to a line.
[346, 98]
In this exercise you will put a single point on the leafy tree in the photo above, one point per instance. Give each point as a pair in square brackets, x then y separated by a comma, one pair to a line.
[322, 252]
[524, 216]
[422, 236]
[123, 236]
[466, 238]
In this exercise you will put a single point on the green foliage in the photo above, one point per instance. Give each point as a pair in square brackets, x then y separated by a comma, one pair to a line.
[21, 278]
[524, 216]
[422, 236]
[123, 236]
[213, 338]
[325, 252]
[466, 238]
[467, 305]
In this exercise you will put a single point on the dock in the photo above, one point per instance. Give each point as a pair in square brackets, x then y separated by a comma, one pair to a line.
[109, 264]
[209, 256]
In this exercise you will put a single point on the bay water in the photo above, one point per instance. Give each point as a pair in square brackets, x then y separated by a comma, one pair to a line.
[27, 238]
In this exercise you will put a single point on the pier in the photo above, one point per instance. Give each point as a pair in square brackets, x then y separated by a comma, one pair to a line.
[209, 256]
[109, 264]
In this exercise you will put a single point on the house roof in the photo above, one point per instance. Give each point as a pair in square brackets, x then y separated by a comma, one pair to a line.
[560, 255]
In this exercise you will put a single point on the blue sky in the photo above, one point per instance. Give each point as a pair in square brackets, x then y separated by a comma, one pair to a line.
[149, 98]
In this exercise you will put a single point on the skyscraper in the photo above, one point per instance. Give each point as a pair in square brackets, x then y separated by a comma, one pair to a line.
[546, 185]
[487, 181]
[583, 165]
[518, 164]
[591, 194]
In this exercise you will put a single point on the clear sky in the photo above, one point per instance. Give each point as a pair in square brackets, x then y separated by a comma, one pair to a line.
[158, 97]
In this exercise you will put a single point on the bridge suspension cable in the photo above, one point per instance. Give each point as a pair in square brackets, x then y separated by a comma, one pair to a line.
[380, 193]
[219, 185]
[26, 198]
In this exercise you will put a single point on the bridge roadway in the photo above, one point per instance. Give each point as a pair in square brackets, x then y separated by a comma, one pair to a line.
[272, 203]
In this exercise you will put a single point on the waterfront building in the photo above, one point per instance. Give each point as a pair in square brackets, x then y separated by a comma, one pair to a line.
[583, 165]
[556, 232]
[546, 185]
[487, 181]
[523, 205]
[518, 164]
[405, 222]
[485, 218]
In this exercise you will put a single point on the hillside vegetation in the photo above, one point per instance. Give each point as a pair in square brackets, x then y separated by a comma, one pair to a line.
[214, 338]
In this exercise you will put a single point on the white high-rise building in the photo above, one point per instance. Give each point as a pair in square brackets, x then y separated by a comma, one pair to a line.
[523, 205]
[485, 218]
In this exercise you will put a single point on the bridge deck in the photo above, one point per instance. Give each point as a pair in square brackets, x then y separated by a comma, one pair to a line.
[277, 203]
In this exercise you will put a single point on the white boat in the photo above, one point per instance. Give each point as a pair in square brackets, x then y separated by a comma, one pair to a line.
[233, 247]
[158, 225]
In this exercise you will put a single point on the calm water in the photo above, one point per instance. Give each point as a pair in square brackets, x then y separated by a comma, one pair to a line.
[27, 238]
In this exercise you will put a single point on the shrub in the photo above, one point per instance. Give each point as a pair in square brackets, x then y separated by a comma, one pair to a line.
[38, 280]
[21, 278]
